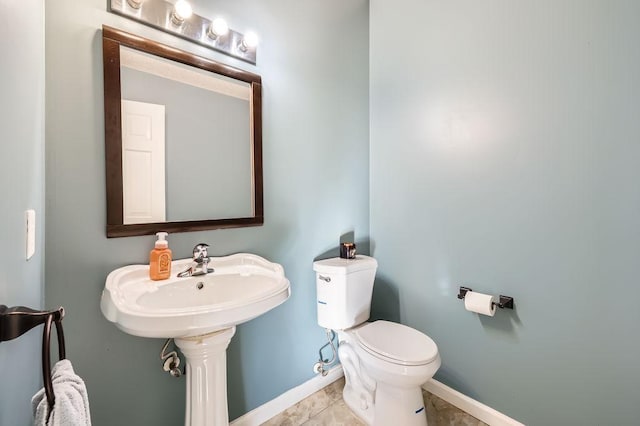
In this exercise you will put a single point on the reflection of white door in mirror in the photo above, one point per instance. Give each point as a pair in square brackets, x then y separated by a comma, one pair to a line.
[143, 162]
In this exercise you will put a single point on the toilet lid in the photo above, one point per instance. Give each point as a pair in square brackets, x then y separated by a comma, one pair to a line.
[397, 342]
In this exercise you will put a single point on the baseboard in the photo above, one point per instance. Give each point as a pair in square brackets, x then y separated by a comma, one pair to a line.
[288, 399]
[469, 405]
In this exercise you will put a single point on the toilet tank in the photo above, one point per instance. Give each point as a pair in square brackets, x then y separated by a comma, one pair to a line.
[343, 289]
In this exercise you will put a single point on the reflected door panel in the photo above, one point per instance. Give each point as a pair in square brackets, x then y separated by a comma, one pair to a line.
[143, 162]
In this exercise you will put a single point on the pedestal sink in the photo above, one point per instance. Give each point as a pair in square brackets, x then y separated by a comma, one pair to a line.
[200, 313]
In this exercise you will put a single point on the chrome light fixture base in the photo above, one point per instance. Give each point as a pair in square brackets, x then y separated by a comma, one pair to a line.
[159, 14]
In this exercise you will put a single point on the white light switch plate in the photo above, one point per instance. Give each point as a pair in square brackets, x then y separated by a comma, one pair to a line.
[31, 233]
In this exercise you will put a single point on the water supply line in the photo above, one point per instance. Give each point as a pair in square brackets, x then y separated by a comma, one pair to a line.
[318, 367]
[170, 361]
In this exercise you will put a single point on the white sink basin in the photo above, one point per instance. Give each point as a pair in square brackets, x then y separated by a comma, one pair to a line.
[242, 287]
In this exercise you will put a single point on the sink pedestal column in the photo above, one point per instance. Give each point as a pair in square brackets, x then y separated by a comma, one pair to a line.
[206, 357]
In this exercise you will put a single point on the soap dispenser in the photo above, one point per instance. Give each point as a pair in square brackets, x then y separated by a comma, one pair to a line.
[160, 259]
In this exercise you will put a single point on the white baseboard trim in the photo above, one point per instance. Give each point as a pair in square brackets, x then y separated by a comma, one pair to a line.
[469, 405]
[288, 399]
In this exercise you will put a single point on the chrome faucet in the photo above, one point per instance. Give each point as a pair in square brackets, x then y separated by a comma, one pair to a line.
[200, 263]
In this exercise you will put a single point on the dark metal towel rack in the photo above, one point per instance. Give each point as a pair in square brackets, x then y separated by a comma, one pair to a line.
[16, 321]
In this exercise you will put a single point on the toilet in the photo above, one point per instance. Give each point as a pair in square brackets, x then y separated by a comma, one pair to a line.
[385, 363]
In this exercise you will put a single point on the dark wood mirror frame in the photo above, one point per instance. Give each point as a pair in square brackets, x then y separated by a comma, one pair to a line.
[112, 39]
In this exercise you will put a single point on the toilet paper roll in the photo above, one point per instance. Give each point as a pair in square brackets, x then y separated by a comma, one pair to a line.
[480, 303]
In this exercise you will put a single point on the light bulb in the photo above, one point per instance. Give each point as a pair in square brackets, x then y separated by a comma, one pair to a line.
[249, 41]
[181, 11]
[135, 4]
[218, 28]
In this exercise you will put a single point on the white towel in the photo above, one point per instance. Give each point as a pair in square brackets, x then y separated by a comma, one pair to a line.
[71, 407]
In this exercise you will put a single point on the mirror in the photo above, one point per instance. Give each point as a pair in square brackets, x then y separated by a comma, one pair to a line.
[183, 140]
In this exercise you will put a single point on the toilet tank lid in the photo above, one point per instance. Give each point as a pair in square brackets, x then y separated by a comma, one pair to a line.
[397, 342]
[337, 265]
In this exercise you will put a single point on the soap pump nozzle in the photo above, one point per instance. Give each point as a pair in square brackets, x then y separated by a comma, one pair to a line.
[162, 242]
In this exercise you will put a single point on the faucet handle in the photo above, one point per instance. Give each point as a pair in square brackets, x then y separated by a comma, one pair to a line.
[200, 252]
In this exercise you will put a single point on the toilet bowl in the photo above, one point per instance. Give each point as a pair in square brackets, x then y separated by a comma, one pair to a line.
[394, 360]
[384, 363]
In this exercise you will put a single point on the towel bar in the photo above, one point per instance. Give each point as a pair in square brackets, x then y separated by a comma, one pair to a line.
[16, 321]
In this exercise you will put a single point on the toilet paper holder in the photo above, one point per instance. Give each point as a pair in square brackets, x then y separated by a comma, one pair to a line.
[506, 302]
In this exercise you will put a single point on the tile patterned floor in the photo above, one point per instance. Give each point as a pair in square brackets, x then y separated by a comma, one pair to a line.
[326, 408]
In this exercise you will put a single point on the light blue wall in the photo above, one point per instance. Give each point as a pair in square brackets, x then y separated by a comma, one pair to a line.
[313, 59]
[21, 188]
[504, 156]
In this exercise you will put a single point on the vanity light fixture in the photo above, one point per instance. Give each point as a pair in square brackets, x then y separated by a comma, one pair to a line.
[177, 18]
[181, 11]
[218, 28]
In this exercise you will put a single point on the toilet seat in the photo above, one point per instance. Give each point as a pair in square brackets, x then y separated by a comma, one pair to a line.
[396, 343]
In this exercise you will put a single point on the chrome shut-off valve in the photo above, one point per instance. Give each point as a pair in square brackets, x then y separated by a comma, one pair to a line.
[170, 361]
